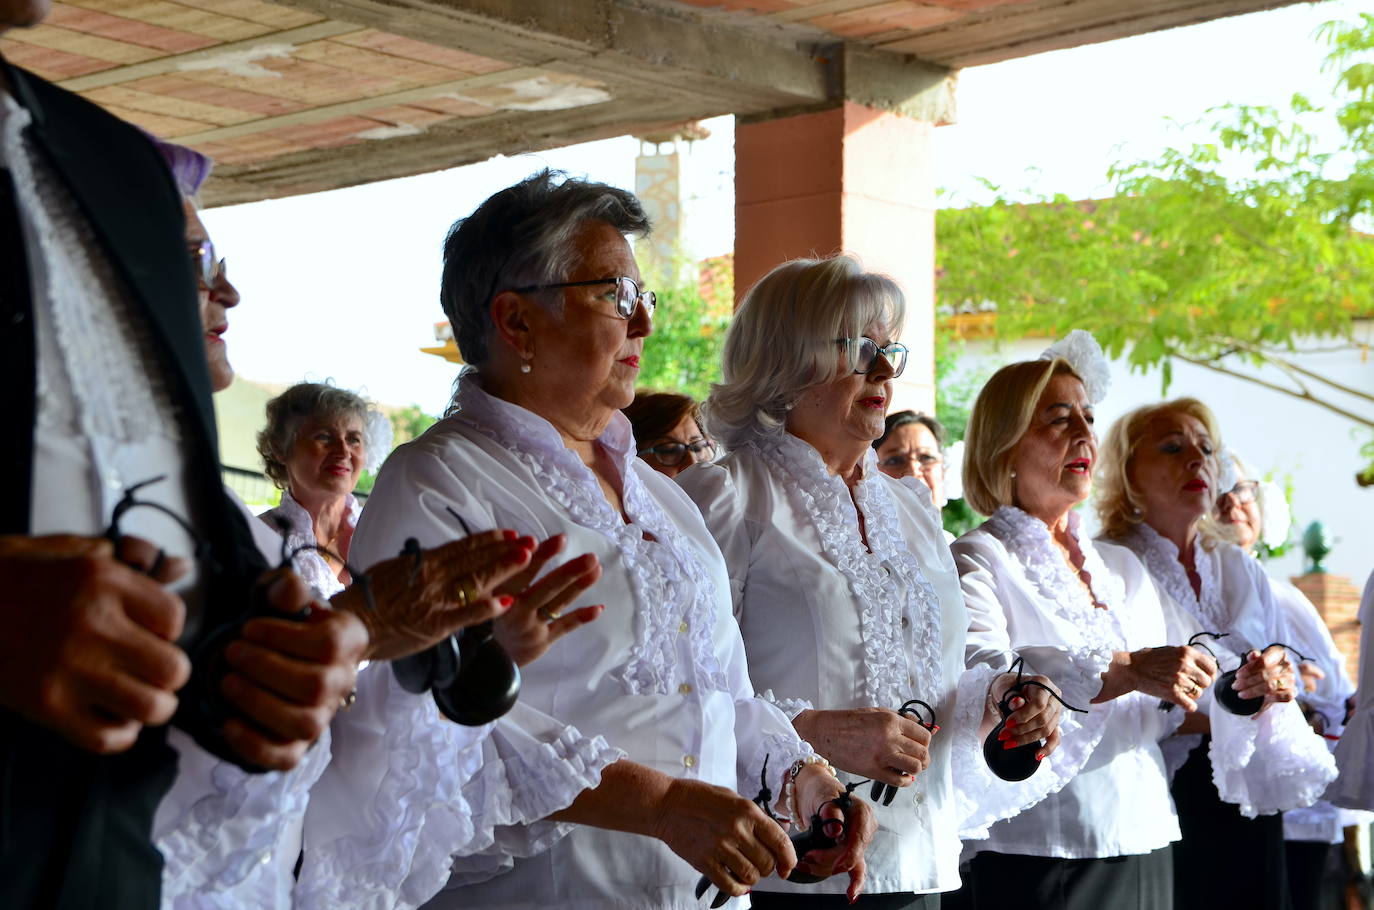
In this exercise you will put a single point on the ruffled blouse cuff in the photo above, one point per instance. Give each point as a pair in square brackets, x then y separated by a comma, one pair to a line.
[790, 707]
[219, 824]
[410, 791]
[1354, 789]
[983, 798]
[1269, 762]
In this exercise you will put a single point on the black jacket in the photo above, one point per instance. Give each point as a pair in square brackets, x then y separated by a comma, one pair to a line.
[75, 828]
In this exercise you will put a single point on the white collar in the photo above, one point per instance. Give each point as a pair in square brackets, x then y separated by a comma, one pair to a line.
[1161, 558]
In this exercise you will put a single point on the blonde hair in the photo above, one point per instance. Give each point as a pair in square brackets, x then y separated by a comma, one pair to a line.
[1119, 502]
[1000, 417]
[779, 344]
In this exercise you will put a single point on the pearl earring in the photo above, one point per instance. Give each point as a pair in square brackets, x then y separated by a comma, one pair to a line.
[525, 366]
[1013, 474]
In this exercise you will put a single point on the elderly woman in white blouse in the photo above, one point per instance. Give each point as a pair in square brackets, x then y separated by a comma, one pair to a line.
[317, 442]
[230, 838]
[842, 584]
[616, 781]
[1088, 616]
[1158, 479]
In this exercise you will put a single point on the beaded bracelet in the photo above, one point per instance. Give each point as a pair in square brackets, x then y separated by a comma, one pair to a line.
[789, 786]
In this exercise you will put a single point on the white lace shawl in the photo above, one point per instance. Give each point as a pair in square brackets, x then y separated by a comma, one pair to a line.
[1161, 558]
[301, 533]
[824, 499]
[664, 572]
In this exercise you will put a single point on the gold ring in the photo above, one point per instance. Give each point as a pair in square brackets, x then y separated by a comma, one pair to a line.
[1193, 689]
[1280, 684]
[466, 594]
[549, 615]
[347, 701]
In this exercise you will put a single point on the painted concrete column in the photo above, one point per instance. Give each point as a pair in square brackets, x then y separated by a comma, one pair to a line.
[848, 179]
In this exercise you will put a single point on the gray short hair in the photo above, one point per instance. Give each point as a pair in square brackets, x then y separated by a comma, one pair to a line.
[522, 236]
[289, 410]
[779, 344]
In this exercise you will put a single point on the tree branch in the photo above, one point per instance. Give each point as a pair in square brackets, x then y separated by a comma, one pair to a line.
[1289, 366]
[1275, 387]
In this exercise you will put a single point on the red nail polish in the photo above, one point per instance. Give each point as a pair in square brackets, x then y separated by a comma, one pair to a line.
[509, 535]
[1009, 724]
[505, 600]
[1040, 756]
[1008, 745]
[934, 728]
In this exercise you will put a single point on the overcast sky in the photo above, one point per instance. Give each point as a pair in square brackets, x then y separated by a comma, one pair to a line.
[345, 284]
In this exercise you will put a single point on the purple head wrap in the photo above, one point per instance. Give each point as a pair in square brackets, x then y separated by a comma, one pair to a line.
[189, 167]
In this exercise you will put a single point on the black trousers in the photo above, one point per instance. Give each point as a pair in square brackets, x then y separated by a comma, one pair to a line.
[763, 900]
[1307, 864]
[1005, 881]
[76, 828]
[1224, 858]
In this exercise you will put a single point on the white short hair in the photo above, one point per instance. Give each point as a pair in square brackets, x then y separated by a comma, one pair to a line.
[782, 341]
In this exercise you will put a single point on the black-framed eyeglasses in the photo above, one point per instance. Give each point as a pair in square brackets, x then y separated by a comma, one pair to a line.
[1246, 491]
[628, 296]
[670, 454]
[924, 460]
[863, 354]
[205, 265]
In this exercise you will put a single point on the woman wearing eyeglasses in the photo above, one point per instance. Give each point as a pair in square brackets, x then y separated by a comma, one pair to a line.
[651, 743]
[667, 429]
[1158, 479]
[842, 583]
[1251, 512]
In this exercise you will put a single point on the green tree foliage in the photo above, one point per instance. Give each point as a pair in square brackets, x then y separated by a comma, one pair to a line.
[1235, 254]
[683, 353]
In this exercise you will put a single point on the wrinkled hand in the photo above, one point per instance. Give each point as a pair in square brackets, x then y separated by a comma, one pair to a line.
[536, 620]
[1034, 715]
[877, 743]
[1269, 675]
[1177, 674]
[288, 678]
[89, 643]
[815, 788]
[722, 835]
[411, 616]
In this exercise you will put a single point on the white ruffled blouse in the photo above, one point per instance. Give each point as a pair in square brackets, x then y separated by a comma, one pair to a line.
[827, 623]
[1354, 789]
[309, 564]
[230, 839]
[1111, 785]
[1268, 762]
[660, 677]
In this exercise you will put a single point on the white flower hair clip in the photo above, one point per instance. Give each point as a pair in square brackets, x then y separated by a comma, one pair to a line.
[1082, 352]
[377, 432]
[1228, 470]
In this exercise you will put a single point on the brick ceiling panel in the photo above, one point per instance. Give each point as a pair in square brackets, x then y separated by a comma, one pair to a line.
[130, 31]
[157, 124]
[300, 80]
[405, 72]
[63, 39]
[274, 15]
[169, 106]
[409, 49]
[51, 63]
[179, 17]
[175, 85]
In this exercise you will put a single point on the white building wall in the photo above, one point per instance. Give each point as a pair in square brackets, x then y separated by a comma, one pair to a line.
[1272, 432]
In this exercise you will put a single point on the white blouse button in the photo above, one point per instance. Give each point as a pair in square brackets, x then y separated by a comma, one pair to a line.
[685, 688]
[682, 627]
[689, 760]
